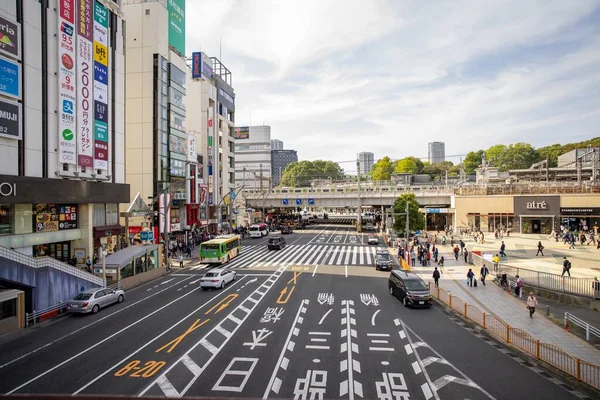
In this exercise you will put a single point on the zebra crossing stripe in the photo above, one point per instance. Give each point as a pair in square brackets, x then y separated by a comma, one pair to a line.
[279, 255]
[310, 249]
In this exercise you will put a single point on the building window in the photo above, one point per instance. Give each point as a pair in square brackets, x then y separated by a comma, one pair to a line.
[5, 220]
[112, 214]
[99, 215]
[177, 76]
[8, 309]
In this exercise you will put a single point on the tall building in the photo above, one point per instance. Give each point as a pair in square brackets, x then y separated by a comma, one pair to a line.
[253, 156]
[62, 174]
[436, 152]
[276, 144]
[366, 160]
[280, 159]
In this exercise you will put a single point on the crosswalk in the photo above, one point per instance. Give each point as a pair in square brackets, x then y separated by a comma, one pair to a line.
[254, 256]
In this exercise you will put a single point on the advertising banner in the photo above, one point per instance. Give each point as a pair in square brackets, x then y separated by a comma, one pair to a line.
[10, 78]
[207, 70]
[101, 137]
[53, 217]
[10, 38]
[176, 10]
[196, 65]
[191, 149]
[85, 60]
[67, 109]
[242, 132]
[10, 119]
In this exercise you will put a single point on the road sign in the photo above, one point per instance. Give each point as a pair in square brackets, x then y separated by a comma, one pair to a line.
[298, 202]
[311, 202]
[233, 195]
[285, 202]
[146, 236]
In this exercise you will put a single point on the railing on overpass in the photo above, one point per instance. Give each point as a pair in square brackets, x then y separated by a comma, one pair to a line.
[351, 191]
[527, 188]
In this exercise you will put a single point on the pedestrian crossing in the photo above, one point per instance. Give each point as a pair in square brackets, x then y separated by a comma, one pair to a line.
[255, 256]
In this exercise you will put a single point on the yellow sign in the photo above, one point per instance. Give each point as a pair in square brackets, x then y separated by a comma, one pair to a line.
[175, 342]
[223, 303]
[283, 300]
[149, 369]
[100, 53]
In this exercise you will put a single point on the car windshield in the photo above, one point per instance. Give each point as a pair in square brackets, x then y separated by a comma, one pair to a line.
[254, 228]
[274, 240]
[415, 284]
[83, 296]
[210, 275]
[384, 257]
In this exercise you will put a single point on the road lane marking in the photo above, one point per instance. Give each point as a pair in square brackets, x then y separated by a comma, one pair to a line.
[373, 317]
[349, 386]
[416, 368]
[273, 384]
[381, 348]
[224, 303]
[320, 333]
[315, 270]
[175, 342]
[153, 340]
[426, 391]
[317, 347]
[89, 325]
[378, 334]
[167, 281]
[325, 316]
[346, 270]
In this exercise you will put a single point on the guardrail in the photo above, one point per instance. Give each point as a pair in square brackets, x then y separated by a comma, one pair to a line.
[550, 354]
[589, 329]
[54, 311]
[558, 283]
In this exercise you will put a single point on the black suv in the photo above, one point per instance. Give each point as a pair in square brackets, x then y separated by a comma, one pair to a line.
[409, 288]
[276, 243]
[383, 260]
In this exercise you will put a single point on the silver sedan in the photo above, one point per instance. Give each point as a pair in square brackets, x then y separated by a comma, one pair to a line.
[217, 278]
[92, 300]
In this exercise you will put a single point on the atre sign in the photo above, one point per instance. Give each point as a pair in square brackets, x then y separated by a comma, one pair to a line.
[533, 205]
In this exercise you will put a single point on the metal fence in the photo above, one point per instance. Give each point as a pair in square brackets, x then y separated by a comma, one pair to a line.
[558, 283]
[589, 329]
[552, 355]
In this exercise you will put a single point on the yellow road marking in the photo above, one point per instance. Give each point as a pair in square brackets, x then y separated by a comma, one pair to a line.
[175, 342]
[223, 303]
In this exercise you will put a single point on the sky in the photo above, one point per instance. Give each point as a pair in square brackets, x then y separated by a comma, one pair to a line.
[336, 77]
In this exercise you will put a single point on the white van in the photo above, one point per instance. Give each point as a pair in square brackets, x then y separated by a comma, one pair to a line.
[258, 230]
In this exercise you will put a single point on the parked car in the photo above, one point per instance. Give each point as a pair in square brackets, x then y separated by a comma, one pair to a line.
[92, 300]
[383, 260]
[300, 225]
[409, 288]
[286, 229]
[373, 239]
[276, 243]
[217, 278]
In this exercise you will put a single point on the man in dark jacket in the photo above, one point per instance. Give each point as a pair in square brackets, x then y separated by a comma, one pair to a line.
[436, 277]
[484, 273]
[502, 249]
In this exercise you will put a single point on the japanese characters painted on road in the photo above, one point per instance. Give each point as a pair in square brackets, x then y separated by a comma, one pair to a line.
[312, 386]
[393, 386]
[328, 298]
[369, 299]
[101, 136]
[257, 338]
[238, 367]
[67, 108]
[319, 340]
[85, 68]
[272, 314]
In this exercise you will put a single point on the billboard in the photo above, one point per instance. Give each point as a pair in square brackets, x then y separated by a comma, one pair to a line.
[100, 89]
[11, 119]
[176, 11]
[85, 123]
[196, 65]
[10, 80]
[191, 149]
[241, 132]
[67, 107]
[10, 38]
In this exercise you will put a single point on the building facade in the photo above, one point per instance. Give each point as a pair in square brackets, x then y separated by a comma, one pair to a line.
[253, 156]
[276, 144]
[62, 174]
[280, 159]
[436, 152]
[366, 160]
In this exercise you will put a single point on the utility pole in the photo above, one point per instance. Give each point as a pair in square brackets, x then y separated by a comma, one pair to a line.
[407, 223]
[261, 178]
[358, 217]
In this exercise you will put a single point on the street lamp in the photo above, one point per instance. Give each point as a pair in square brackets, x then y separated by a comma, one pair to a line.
[232, 190]
[103, 249]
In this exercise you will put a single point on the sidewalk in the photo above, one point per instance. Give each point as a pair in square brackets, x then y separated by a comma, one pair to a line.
[493, 300]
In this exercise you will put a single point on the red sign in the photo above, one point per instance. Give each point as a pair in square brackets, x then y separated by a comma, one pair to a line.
[210, 122]
[134, 230]
[67, 10]
[192, 214]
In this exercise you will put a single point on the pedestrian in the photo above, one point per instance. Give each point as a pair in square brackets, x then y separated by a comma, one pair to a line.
[518, 286]
[436, 277]
[441, 262]
[572, 242]
[88, 264]
[412, 257]
[462, 246]
[189, 251]
[540, 249]
[502, 249]
[566, 267]
[466, 253]
[531, 304]
[484, 273]
[592, 238]
[180, 260]
[435, 254]
[496, 261]
[456, 250]
[470, 276]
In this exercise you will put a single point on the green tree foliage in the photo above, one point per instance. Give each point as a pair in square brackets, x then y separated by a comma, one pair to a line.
[472, 161]
[416, 220]
[496, 155]
[300, 173]
[519, 156]
[409, 165]
[382, 169]
[551, 153]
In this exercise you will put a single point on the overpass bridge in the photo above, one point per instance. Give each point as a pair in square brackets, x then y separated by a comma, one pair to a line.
[344, 197]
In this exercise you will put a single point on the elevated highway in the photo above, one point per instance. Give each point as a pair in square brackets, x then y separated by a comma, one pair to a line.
[344, 197]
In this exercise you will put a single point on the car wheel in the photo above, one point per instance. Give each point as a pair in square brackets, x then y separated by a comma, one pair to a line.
[405, 301]
[95, 309]
[392, 290]
[234, 276]
[223, 285]
[121, 298]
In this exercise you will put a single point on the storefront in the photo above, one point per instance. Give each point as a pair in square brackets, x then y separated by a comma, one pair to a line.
[54, 218]
[438, 219]
[536, 214]
[580, 218]
[109, 236]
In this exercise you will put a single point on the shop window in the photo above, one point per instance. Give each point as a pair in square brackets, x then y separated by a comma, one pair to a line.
[99, 215]
[112, 214]
[5, 220]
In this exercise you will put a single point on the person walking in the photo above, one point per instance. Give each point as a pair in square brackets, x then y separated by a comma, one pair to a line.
[88, 264]
[496, 261]
[502, 249]
[566, 267]
[470, 276]
[436, 277]
[462, 246]
[441, 262]
[571, 242]
[519, 286]
[531, 304]
[540, 249]
[180, 260]
[592, 238]
[484, 273]
[412, 258]
[456, 250]
[466, 253]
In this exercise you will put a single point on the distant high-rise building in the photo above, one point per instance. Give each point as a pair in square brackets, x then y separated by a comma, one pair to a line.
[276, 144]
[437, 152]
[280, 159]
[253, 156]
[366, 161]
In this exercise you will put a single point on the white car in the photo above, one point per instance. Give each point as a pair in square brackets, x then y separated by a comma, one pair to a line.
[373, 240]
[217, 278]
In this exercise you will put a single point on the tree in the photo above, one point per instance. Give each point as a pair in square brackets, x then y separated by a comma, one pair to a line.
[301, 173]
[409, 165]
[382, 169]
[472, 161]
[551, 153]
[416, 220]
[519, 156]
[496, 155]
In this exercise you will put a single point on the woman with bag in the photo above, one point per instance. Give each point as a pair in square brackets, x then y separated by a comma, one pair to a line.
[531, 304]
[540, 249]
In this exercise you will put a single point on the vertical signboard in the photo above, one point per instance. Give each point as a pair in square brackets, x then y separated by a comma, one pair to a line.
[191, 149]
[196, 65]
[10, 38]
[176, 10]
[100, 86]
[210, 159]
[85, 123]
[67, 141]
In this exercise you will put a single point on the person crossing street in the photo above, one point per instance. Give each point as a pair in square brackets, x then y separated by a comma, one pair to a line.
[540, 248]
[484, 273]
[436, 277]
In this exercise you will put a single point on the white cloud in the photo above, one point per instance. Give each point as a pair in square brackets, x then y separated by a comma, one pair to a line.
[334, 78]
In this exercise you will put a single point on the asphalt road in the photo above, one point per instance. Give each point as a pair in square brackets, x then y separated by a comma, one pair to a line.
[314, 320]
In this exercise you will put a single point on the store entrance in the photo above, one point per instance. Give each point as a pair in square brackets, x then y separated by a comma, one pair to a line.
[61, 251]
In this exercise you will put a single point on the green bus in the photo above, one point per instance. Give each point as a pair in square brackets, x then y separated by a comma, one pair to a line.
[221, 249]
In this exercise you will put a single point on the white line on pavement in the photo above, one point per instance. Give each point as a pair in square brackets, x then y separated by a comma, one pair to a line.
[373, 317]
[315, 270]
[167, 281]
[325, 316]
[346, 270]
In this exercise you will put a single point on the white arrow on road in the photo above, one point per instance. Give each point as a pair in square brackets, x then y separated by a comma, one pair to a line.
[167, 281]
[192, 282]
[247, 283]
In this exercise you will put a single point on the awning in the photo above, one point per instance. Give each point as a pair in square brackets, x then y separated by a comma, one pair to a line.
[123, 257]
[107, 230]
